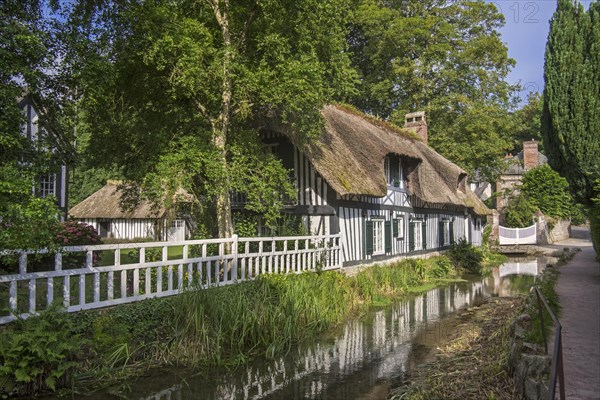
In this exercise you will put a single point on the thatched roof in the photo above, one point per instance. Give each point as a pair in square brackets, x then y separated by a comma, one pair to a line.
[350, 157]
[106, 203]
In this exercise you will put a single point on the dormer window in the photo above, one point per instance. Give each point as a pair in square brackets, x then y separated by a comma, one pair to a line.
[394, 175]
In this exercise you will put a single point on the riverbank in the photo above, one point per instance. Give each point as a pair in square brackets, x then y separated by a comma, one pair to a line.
[223, 326]
[471, 363]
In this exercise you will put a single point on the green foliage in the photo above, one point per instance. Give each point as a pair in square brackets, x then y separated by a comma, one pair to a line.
[466, 256]
[26, 222]
[446, 58]
[528, 122]
[476, 138]
[38, 353]
[571, 116]
[519, 212]
[89, 180]
[548, 191]
[175, 92]
[547, 286]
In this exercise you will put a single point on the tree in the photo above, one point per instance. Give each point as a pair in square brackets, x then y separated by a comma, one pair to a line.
[519, 212]
[528, 122]
[175, 91]
[547, 191]
[25, 221]
[446, 58]
[571, 112]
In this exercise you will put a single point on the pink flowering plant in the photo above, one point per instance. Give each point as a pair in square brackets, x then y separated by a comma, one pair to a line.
[74, 233]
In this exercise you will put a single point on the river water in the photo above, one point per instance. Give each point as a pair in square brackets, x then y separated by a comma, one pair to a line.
[362, 360]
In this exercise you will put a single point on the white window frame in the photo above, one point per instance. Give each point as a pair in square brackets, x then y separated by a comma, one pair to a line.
[418, 234]
[378, 236]
[48, 185]
[400, 222]
[386, 168]
[446, 232]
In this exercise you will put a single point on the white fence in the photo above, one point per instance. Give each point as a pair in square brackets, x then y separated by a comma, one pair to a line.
[87, 277]
[509, 236]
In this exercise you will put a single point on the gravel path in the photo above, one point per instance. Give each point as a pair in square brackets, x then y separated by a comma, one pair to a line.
[579, 293]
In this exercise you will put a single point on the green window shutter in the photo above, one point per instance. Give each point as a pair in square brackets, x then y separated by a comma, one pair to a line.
[451, 232]
[388, 236]
[424, 235]
[369, 238]
[441, 233]
[411, 237]
[395, 228]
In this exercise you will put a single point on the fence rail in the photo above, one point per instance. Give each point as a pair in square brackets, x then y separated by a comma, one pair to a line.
[557, 372]
[88, 277]
[510, 236]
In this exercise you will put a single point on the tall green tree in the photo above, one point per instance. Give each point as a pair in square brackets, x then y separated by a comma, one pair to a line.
[571, 112]
[444, 57]
[25, 221]
[528, 122]
[175, 91]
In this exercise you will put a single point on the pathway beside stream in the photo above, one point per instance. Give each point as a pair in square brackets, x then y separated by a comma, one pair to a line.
[578, 290]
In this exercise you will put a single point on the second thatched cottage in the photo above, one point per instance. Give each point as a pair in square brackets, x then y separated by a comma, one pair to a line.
[382, 188]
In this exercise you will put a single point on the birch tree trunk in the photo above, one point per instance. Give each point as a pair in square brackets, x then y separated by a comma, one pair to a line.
[221, 125]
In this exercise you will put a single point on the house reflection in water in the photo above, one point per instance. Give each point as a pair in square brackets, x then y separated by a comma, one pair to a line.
[365, 356]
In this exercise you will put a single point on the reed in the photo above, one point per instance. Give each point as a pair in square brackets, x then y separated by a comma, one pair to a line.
[267, 316]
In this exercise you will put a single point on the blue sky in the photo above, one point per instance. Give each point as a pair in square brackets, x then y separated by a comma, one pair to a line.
[525, 33]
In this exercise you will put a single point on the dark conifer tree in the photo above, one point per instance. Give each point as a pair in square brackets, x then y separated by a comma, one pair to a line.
[570, 113]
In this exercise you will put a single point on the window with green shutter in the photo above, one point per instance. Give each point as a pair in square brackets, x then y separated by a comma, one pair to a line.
[441, 233]
[369, 237]
[388, 236]
[451, 227]
[424, 236]
[411, 237]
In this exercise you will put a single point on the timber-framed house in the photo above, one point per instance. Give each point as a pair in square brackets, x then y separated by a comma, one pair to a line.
[381, 187]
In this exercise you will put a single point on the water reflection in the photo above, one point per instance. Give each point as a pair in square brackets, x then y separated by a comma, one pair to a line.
[362, 359]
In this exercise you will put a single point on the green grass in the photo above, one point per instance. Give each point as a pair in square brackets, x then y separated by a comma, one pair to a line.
[131, 256]
[232, 324]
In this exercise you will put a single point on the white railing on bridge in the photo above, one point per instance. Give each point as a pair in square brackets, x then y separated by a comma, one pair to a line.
[88, 277]
[510, 236]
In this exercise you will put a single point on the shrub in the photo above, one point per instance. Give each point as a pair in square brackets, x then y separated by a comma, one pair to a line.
[466, 256]
[37, 354]
[74, 233]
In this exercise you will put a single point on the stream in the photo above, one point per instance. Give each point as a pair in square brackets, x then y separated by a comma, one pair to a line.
[361, 360]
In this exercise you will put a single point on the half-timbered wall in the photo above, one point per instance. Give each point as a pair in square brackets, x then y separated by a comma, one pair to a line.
[125, 228]
[358, 216]
[56, 181]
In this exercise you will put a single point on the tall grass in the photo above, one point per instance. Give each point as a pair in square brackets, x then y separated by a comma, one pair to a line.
[270, 314]
[229, 325]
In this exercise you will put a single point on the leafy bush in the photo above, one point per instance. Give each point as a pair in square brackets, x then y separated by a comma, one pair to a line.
[37, 354]
[548, 191]
[466, 256]
[519, 212]
[74, 233]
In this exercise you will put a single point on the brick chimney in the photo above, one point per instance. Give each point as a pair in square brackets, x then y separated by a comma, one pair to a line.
[416, 123]
[531, 157]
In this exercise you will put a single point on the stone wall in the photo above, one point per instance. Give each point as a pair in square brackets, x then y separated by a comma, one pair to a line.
[528, 364]
[552, 231]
